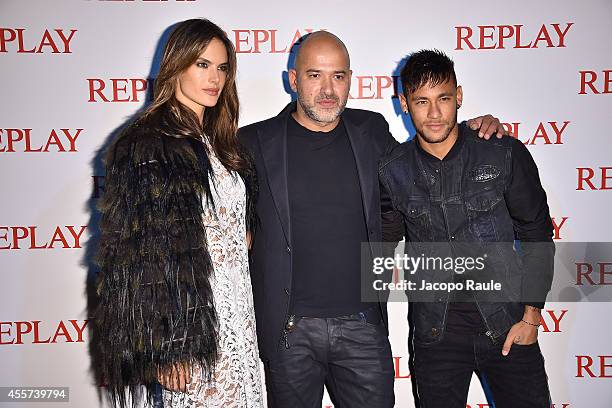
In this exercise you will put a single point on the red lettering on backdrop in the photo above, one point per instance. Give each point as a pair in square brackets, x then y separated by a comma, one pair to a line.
[29, 332]
[490, 37]
[594, 367]
[364, 83]
[551, 320]
[62, 140]
[585, 174]
[268, 41]
[65, 237]
[55, 41]
[588, 78]
[546, 133]
[397, 367]
[585, 269]
[373, 86]
[557, 226]
[5, 332]
[117, 89]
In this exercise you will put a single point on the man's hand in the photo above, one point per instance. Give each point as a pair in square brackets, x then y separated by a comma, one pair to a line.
[175, 378]
[488, 125]
[524, 332]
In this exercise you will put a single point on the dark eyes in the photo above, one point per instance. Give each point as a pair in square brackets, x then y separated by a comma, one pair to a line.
[442, 99]
[315, 76]
[204, 65]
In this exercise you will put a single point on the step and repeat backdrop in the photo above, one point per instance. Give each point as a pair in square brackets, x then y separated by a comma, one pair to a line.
[74, 71]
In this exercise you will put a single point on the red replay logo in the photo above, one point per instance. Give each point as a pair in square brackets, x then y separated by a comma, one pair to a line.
[27, 41]
[591, 179]
[118, 89]
[491, 37]
[29, 237]
[593, 366]
[597, 83]
[268, 41]
[558, 224]
[39, 332]
[587, 271]
[20, 140]
[545, 133]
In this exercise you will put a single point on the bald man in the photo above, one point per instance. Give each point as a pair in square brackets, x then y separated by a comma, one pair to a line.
[319, 199]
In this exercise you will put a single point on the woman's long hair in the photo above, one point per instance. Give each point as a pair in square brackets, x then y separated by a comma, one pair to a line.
[186, 43]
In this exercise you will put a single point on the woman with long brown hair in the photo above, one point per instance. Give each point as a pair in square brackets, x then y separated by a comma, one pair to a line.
[176, 305]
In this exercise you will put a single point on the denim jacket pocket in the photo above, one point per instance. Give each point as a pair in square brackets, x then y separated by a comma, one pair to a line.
[480, 208]
[418, 219]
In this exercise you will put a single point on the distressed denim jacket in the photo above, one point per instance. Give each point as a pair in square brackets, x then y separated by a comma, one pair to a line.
[483, 194]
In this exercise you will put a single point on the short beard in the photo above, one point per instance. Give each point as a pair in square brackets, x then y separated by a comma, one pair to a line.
[450, 128]
[311, 112]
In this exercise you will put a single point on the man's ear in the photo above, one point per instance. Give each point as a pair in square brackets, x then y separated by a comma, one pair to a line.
[293, 79]
[403, 103]
[459, 96]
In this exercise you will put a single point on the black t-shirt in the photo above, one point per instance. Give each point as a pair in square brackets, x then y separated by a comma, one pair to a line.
[327, 222]
[464, 318]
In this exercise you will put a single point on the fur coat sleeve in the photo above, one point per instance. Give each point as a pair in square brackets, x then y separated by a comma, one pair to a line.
[155, 298]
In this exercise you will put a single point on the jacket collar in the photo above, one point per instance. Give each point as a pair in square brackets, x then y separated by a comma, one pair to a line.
[273, 142]
[452, 153]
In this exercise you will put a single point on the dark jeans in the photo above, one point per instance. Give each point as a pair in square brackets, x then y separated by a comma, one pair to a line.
[443, 372]
[350, 355]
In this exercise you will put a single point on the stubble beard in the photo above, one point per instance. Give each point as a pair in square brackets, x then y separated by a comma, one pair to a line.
[315, 114]
[429, 139]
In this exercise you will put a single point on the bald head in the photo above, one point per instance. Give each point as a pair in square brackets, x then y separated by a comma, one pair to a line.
[322, 80]
[320, 43]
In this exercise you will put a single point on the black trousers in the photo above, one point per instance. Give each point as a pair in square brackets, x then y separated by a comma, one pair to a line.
[443, 372]
[350, 355]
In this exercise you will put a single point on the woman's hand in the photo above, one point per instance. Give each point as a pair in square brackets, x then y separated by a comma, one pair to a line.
[249, 240]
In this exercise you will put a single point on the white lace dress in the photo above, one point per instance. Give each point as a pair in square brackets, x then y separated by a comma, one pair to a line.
[237, 381]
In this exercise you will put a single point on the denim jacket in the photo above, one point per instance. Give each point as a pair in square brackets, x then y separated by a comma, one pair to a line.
[486, 193]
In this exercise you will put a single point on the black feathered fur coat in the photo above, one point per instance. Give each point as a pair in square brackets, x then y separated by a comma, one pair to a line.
[155, 298]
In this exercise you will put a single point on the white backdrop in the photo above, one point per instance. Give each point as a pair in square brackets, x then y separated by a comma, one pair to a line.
[55, 54]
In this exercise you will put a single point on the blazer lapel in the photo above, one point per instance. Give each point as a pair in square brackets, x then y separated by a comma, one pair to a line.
[365, 164]
[273, 142]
